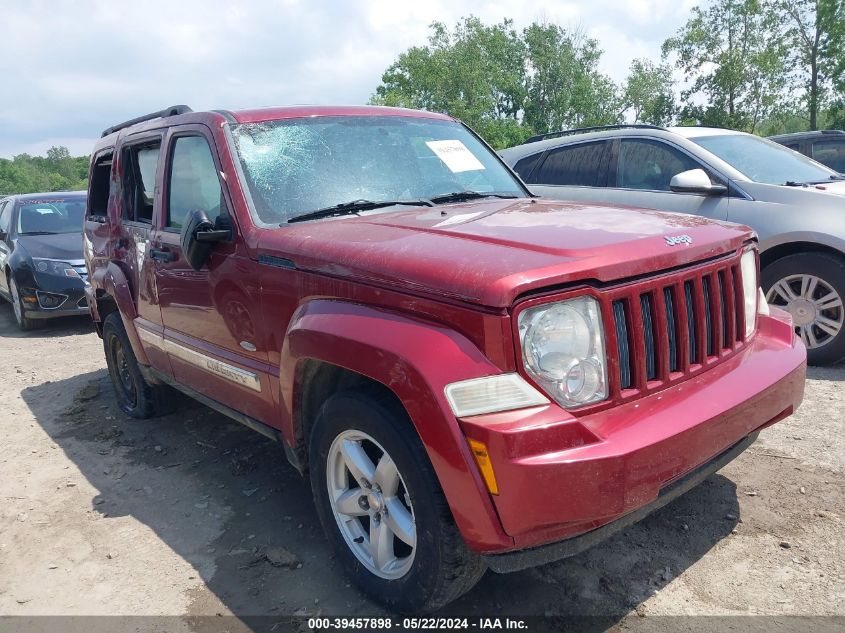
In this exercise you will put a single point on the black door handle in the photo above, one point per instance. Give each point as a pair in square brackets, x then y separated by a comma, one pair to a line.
[162, 255]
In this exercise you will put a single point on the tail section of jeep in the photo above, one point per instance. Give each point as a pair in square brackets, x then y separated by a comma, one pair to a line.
[471, 377]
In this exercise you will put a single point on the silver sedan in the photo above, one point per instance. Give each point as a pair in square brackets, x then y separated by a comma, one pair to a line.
[795, 204]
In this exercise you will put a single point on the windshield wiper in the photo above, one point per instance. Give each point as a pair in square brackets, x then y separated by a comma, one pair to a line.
[792, 183]
[355, 206]
[459, 196]
[39, 233]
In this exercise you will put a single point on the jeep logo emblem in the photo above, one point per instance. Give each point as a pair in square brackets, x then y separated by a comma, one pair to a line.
[674, 240]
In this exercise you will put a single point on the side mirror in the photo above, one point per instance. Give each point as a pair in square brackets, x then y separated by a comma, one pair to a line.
[695, 181]
[199, 234]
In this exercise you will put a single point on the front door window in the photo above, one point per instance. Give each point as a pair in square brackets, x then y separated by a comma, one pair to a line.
[193, 181]
[650, 165]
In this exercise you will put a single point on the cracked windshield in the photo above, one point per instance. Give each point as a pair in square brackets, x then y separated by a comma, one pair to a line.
[296, 166]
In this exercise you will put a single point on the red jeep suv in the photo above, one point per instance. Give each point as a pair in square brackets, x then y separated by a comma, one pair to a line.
[471, 377]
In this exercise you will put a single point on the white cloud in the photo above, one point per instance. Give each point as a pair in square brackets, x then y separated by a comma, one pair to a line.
[77, 146]
[71, 69]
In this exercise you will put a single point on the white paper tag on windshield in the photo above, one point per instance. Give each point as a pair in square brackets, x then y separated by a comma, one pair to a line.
[456, 155]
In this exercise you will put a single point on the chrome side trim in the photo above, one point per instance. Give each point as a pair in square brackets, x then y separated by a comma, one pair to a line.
[245, 378]
[150, 338]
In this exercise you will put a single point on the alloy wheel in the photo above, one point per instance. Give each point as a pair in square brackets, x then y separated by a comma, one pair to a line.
[816, 308]
[371, 504]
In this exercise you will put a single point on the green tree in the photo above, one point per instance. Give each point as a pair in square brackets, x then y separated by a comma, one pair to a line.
[474, 73]
[649, 93]
[733, 53]
[814, 29]
[504, 84]
[564, 86]
[832, 16]
[58, 171]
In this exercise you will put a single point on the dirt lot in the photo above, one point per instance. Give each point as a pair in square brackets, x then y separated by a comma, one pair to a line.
[100, 514]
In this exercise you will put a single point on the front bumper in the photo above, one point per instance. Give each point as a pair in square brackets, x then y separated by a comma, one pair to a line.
[73, 303]
[561, 476]
[532, 557]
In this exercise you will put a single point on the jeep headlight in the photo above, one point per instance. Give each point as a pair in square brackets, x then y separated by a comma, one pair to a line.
[563, 350]
[748, 268]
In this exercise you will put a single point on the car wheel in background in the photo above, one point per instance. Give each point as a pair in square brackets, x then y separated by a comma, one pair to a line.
[135, 396]
[382, 508]
[17, 306]
[811, 287]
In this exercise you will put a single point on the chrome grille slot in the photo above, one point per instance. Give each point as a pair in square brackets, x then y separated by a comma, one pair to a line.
[669, 300]
[723, 299]
[623, 345]
[708, 318]
[693, 348]
[648, 336]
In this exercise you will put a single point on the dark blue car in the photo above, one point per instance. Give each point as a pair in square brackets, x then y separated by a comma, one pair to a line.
[43, 270]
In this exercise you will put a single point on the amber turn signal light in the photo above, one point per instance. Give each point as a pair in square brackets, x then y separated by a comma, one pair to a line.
[482, 458]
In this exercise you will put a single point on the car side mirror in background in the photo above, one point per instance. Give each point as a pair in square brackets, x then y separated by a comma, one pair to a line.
[695, 181]
[199, 234]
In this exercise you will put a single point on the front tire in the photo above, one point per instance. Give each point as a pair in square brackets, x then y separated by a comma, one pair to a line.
[136, 397]
[23, 322]
[811, 287]
[382, 508]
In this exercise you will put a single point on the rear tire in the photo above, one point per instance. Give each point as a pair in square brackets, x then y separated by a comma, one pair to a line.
[136, 397]
[811, 287]
[426, 563]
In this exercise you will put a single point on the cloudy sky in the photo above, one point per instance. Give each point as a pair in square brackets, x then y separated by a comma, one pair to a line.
[69, 69]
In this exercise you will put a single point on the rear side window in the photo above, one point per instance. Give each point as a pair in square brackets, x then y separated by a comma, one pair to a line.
[830, 153]
[98, 196]
[141, 162]
[193, 181]
[524, 166]
[650, 165]
[584, 164]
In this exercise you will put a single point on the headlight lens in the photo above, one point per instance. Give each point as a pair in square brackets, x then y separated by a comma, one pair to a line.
[54, 267]
[563, 350]
[748, 266]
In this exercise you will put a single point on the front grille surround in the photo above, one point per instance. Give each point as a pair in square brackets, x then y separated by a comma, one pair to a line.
[665, 329]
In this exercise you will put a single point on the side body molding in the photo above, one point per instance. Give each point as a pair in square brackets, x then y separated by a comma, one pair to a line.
[414, 359]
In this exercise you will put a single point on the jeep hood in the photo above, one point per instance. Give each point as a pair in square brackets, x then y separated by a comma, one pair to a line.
[492, 251]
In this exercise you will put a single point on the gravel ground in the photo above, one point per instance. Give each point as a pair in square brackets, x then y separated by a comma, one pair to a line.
[181, 515]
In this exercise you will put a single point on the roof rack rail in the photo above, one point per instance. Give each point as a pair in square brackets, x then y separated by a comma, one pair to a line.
[832, 132]
[595, 128]
[161, 114]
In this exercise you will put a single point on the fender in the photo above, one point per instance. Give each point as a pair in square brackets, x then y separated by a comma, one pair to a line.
[114, 283]
[832, 242]
[414, 359]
